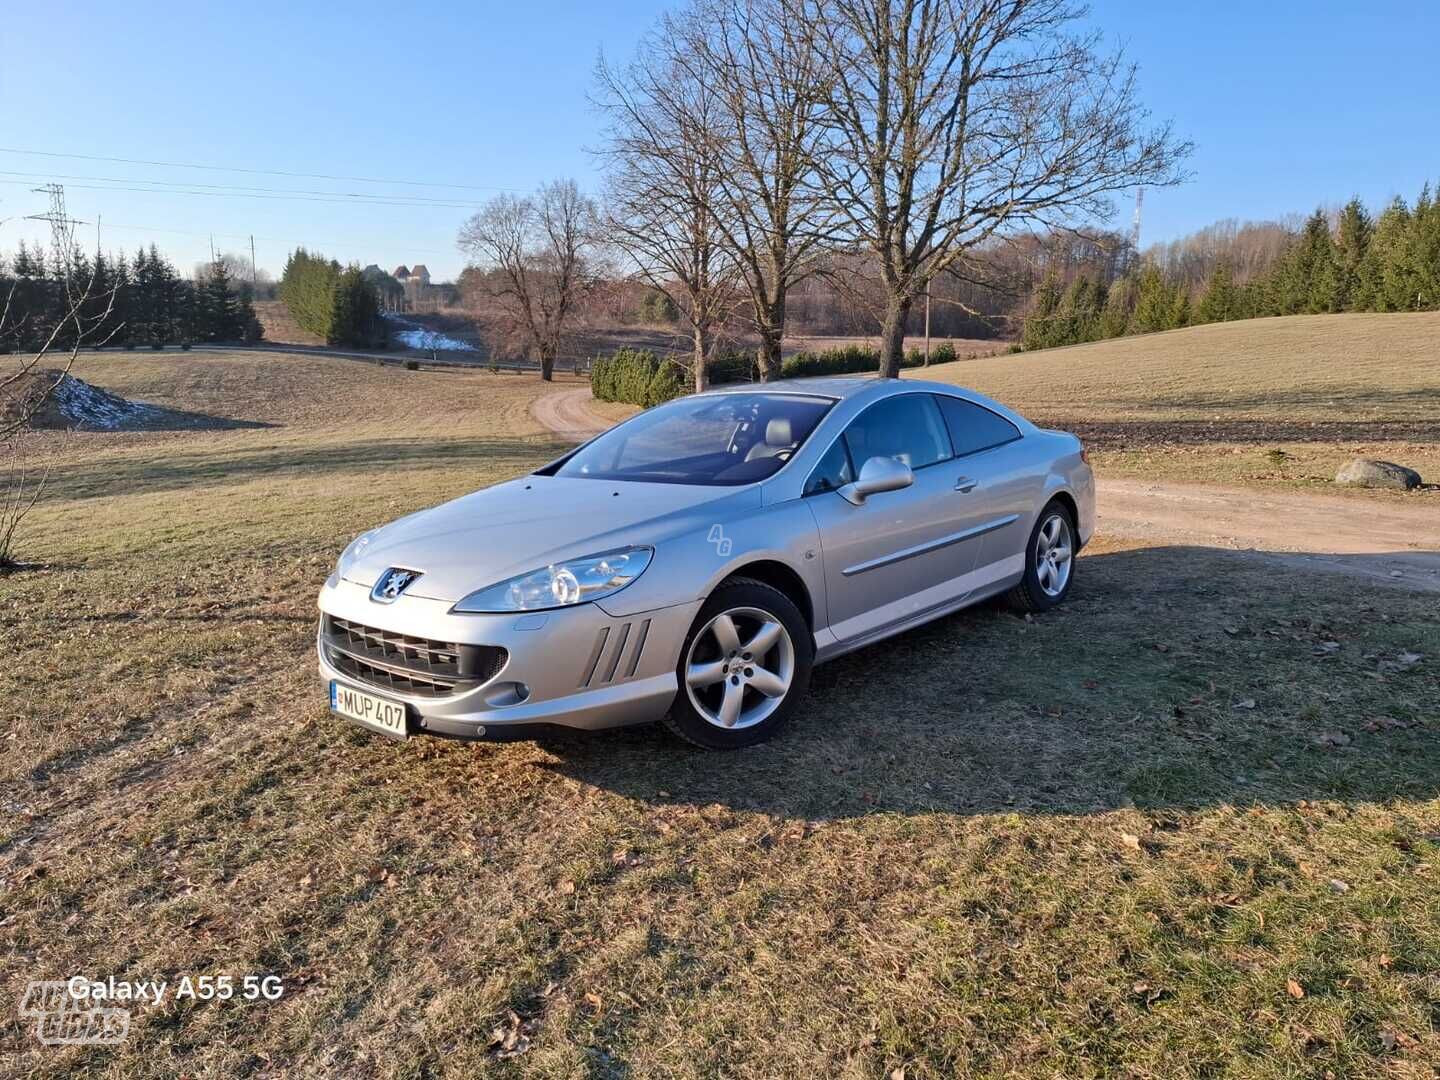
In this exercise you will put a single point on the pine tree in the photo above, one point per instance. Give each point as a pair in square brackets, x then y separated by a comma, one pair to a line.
[1318, 269]
[1221, 300]
[1039, 332]
[1351, 245]
[217, 307]
[1380, 279]
[1422, 253]
[1119, 307]
[357, 310]
[250, 329]
[1156, 306]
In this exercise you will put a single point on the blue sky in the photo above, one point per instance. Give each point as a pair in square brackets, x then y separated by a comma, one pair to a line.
[1290, 105]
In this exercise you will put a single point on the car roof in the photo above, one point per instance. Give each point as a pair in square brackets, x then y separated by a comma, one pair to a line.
[838, 387]
[831, 386]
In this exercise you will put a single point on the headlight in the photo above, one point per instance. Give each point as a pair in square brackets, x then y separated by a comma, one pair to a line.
[352, 552]
[562, 584]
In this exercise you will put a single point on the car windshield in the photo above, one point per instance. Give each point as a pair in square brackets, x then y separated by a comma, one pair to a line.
[720, 439]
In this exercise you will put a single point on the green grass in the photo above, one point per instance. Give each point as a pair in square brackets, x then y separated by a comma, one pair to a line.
[992, 847]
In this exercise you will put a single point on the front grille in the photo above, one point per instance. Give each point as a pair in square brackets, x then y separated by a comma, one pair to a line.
[407, 664]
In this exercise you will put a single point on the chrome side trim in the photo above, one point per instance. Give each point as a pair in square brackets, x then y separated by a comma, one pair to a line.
[929, 546]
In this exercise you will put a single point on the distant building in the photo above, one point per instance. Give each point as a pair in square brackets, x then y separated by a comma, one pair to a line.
[420, 274]
[401, 273]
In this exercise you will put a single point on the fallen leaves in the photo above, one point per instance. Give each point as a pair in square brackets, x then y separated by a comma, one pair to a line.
[1332, 738]
[1294, 989]
[511, 1038]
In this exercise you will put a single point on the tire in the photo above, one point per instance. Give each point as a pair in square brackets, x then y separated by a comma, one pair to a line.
[756, 697]
[1054, 531]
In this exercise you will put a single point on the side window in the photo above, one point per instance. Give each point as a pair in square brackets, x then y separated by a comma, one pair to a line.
[907, 427]
[974, 427]
[833, 471]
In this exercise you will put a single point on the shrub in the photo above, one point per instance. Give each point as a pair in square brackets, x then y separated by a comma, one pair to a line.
[733, 367]
[412, 365]
[157, 346]
[841, 361]
[669, 381]
[185, 345]
[942, 353]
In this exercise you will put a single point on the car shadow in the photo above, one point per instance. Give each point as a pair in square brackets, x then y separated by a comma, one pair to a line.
[1171, 677]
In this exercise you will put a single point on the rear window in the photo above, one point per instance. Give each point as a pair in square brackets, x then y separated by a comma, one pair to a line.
[973, 427]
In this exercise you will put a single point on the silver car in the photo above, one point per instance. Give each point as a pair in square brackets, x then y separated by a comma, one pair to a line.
[695, 562]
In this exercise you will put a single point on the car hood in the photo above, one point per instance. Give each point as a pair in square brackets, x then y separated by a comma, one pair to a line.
[521, 525]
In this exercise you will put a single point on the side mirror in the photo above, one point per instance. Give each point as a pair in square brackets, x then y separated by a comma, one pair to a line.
[877, 475]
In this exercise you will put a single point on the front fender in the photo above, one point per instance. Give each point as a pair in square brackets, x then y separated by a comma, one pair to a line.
[688, 567]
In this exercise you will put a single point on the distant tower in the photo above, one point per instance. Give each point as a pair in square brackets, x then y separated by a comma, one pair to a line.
[1135, 225]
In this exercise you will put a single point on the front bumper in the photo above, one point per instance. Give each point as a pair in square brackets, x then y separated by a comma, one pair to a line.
[574, 667]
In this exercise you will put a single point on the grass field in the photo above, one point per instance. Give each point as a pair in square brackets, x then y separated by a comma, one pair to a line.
[1213, 402]
[1185, 826]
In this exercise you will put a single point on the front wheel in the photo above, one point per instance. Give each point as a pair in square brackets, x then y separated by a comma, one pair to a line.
[1049, 561]
[745, 664]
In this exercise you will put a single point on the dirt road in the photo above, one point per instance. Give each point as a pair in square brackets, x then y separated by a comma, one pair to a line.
[568, 414]
[1393, 542]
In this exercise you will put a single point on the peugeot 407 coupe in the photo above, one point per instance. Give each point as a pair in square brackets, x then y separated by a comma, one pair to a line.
[693, 563]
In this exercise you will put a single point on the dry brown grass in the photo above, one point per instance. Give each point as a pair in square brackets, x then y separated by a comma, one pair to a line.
[1212, 402]
[964, 347]
[1098, 843]
[281, 327]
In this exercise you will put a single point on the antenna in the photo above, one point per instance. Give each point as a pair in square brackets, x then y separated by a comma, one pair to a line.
[1135, 224]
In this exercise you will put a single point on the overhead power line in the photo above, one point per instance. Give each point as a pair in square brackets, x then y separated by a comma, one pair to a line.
[337, 198]
[244, 188]
[254, 172]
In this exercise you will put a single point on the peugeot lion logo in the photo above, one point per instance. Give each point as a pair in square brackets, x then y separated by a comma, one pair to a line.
[392, 583]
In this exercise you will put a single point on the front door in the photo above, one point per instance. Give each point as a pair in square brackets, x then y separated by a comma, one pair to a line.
[900, 553]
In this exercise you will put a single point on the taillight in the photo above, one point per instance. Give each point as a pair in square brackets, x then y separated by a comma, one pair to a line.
[1084, 454]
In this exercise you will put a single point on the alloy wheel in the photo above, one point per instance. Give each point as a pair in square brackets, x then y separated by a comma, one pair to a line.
[1054, 553]
[739, 668]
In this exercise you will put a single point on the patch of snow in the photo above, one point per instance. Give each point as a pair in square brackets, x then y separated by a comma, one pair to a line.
[417, 337]
[92, 407]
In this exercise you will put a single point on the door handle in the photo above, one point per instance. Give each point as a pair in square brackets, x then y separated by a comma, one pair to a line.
[965, 484]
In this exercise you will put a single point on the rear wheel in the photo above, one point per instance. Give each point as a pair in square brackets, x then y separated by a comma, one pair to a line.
[745, 665]
[1049, 561]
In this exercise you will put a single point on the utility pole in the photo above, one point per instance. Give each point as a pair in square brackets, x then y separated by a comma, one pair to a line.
[62, 226]
[927, 322]
[254, 270]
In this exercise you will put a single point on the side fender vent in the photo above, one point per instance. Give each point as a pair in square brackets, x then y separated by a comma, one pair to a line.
[616, 653]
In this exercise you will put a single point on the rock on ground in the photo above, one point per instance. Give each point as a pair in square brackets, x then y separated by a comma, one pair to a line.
[1367, 472]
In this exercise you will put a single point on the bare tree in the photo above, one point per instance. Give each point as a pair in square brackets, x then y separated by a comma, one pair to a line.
[28, 383]
[539, 249]
[664, 197]
[767, 76]
[953, 122]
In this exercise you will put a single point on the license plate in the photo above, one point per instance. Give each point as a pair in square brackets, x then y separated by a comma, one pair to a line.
[377, 713]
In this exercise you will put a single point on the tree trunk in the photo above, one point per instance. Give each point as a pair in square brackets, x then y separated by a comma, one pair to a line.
[702, 376]
[772, 333]
[892, 336]
[547, 365]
